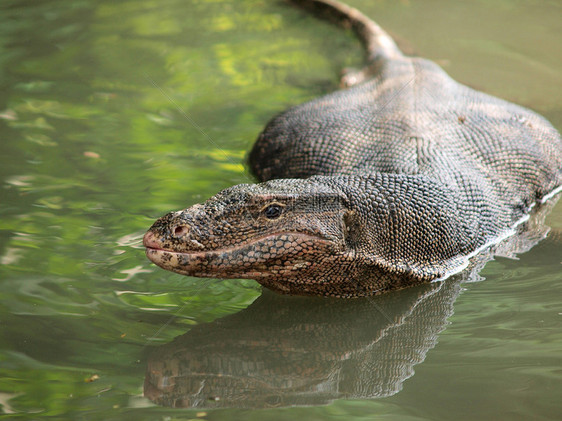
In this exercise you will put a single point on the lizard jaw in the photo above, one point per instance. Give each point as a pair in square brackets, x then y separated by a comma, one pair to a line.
[274, 254]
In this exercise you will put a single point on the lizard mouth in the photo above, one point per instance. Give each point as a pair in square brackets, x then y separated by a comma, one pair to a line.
[261, 257]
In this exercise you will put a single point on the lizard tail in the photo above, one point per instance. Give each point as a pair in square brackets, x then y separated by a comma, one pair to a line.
[378, 44]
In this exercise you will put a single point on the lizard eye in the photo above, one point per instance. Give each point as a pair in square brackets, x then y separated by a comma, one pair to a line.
[273, 211]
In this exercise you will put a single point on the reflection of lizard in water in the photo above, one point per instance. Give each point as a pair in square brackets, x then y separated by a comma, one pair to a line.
[285, 351]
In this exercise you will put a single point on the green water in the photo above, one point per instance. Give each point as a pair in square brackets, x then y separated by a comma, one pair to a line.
[114, 113]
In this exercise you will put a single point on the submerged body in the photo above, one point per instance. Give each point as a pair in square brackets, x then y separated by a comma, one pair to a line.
[396, 180]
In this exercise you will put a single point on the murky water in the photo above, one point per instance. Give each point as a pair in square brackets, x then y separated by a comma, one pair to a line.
[113, 113]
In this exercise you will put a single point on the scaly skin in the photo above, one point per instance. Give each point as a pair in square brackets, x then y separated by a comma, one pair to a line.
[397, 180]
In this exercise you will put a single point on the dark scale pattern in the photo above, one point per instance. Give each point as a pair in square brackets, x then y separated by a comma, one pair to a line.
[394, 181]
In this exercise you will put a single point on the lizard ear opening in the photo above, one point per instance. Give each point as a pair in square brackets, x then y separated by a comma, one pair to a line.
[350, 227]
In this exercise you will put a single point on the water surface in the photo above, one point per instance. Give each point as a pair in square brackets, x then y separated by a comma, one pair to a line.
[114, 113]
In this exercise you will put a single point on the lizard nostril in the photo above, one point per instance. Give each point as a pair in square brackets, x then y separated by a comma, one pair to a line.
[180, 231]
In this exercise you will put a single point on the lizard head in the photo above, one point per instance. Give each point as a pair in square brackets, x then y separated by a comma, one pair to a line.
[289, 235]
